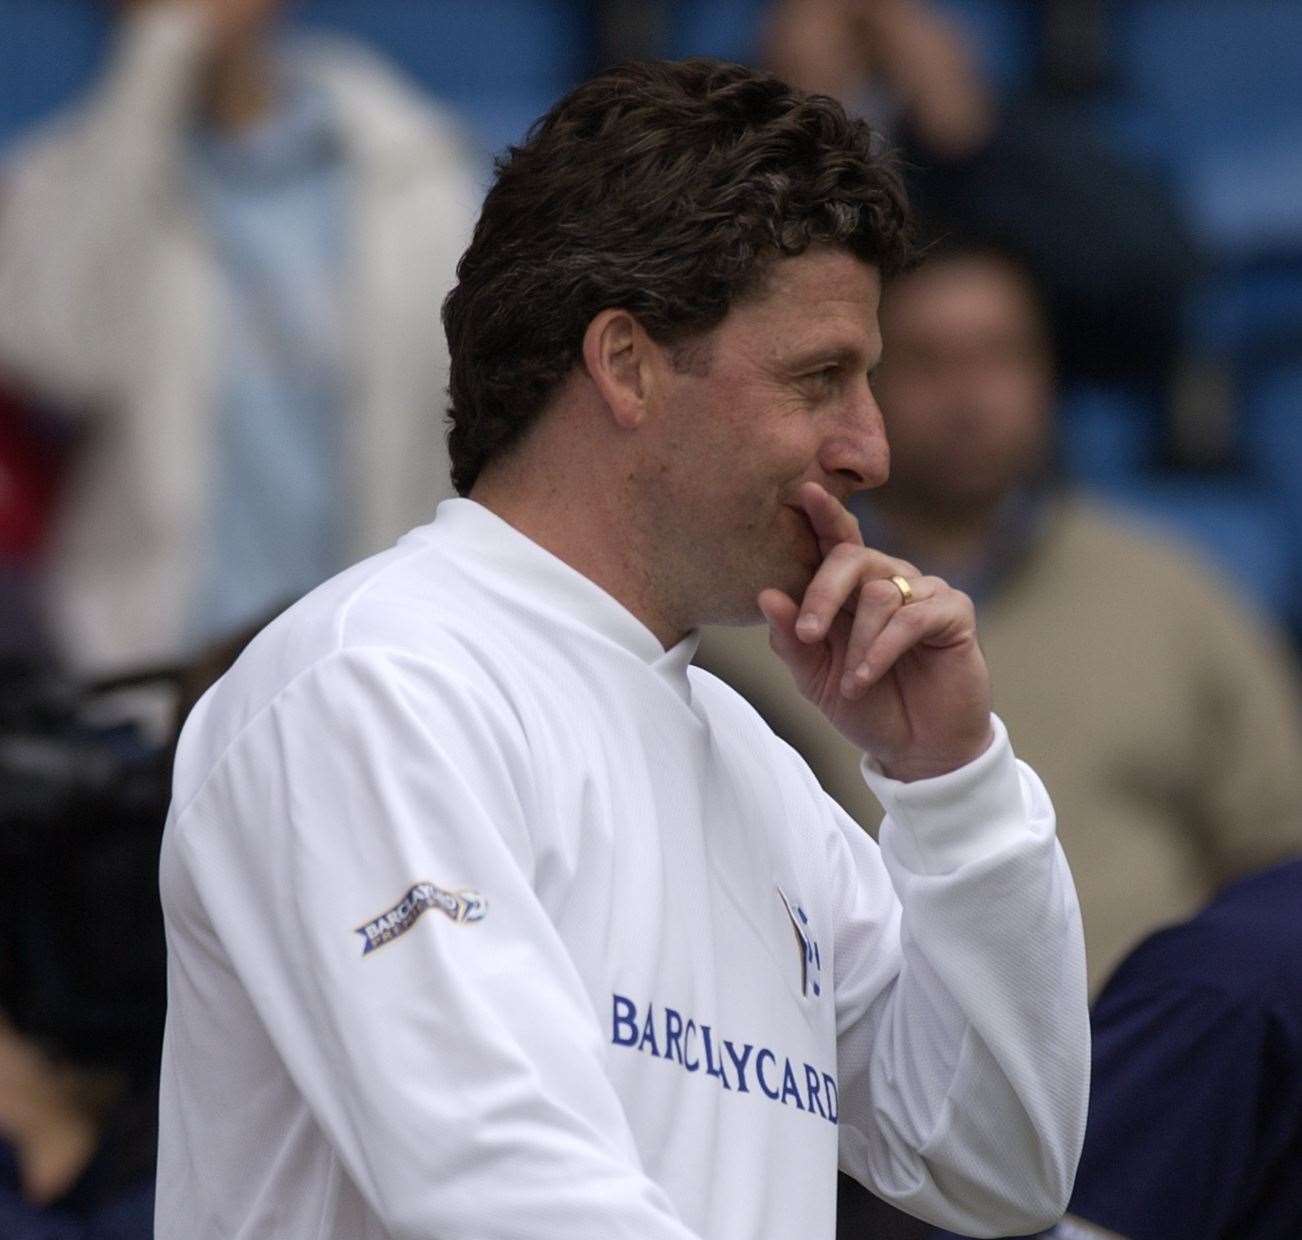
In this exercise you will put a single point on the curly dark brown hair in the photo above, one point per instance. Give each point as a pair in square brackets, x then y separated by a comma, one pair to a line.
[663, 188]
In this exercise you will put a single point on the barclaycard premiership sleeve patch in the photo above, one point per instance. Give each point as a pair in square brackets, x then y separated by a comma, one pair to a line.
[460, 906]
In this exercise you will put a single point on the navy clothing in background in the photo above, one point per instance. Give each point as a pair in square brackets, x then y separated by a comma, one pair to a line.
[1195, 1123]
[128, 1215]
[1195, 1126]
[112, 1199]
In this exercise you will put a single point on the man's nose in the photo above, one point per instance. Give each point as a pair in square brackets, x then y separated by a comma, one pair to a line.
[855, 448]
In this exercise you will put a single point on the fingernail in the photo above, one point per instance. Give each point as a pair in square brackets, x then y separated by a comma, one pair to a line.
[807, 626]
[848, 684]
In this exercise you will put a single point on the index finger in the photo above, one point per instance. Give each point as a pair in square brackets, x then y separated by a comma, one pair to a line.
[833, 522]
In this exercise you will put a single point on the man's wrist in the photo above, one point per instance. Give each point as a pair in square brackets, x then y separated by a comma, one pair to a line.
[938, 825]
[910, 769]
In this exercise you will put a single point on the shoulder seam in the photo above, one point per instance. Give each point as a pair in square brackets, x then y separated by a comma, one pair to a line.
[339, 653]
[346, 607]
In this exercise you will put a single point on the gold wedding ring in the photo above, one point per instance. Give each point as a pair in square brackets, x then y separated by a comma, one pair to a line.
[906, 590]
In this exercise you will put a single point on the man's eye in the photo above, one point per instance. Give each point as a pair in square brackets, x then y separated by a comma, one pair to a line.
[823, 377]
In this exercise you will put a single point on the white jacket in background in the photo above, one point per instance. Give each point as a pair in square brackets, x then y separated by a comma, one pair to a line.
[489, 918]
[108, 303]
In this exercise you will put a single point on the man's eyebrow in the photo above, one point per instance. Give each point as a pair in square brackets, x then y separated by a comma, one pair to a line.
[827, 355]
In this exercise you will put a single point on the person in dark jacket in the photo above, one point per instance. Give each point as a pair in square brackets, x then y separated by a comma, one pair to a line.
[1195, 1125]
[82, 989]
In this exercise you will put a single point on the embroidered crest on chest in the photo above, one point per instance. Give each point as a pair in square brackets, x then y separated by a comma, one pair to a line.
[811, 961]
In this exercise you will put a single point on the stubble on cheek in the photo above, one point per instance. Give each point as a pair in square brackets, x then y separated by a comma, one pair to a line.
[805, 549]
[769, 546]
[792, 554]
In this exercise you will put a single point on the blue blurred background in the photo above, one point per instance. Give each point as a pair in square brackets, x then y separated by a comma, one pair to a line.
[1206, 93]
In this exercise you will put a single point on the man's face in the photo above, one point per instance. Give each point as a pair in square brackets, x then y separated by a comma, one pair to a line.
[966, 384]
[785, 399]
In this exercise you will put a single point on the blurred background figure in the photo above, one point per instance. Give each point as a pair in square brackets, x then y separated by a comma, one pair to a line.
[82, 994]
[227, 264]
[1105, 235]
[1159, 709]
[85, 780]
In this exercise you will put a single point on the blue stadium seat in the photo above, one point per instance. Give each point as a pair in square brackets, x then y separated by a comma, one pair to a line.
[1004, 36]
[466, 50]
[1223, 62]
[501, 63]
[1250, 309]
[728, 29]
[1107, 434]
[1272, 443]
[48, 51]
[1273, 423]
[1221, 82]
[1001, 30]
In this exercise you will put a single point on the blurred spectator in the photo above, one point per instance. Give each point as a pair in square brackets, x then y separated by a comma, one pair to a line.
[1104, 234]
[31, 454]
[85, 780]
[231, 257]
[81, 966]
[1160, 713]
[77, 1154]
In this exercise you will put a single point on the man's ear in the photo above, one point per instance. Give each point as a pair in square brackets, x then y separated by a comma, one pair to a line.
[620, 359]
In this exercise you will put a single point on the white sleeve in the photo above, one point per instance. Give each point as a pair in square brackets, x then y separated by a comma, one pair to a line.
[82, 204]
[457, 1069]
[963, 1055]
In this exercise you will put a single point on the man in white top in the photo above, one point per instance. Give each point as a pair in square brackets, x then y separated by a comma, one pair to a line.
[489, 915]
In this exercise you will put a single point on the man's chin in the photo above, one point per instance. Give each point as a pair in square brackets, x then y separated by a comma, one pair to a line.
[736, 613]
[792, 579]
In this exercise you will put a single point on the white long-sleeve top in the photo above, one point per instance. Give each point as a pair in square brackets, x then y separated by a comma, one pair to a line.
[490, 918]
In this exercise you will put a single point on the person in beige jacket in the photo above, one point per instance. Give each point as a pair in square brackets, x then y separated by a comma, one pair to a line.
[114, 281]
[1159, 709]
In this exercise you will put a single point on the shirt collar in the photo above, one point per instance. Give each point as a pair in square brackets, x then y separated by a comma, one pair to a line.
[543, 580]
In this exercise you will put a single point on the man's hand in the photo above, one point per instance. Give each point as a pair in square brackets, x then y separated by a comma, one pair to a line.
[907, 684]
